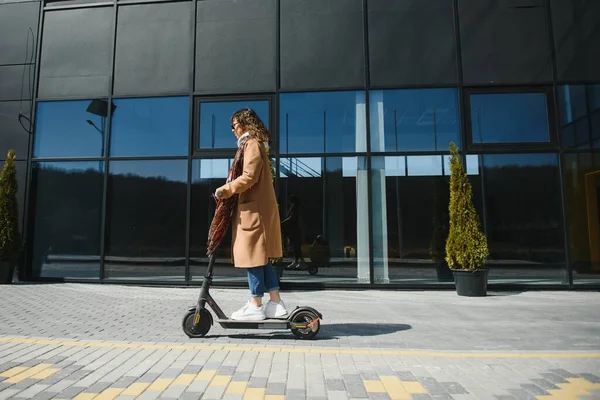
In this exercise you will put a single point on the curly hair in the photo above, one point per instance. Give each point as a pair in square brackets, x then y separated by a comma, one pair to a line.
[252, 124]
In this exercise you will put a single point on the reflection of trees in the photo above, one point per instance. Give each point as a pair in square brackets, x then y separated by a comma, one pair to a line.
[523, 213]
[67, 212]
[146, 217]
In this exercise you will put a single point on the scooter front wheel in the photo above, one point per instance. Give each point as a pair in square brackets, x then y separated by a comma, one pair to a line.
[308, 319]
[193, 330]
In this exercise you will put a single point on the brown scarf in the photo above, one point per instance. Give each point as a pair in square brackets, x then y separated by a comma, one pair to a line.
[225, 208]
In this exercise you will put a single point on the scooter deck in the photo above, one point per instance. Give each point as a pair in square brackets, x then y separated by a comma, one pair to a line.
[263, 324]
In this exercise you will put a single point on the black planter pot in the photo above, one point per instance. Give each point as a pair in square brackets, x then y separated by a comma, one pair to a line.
[471, 283]
[444, 274]
[6, 272]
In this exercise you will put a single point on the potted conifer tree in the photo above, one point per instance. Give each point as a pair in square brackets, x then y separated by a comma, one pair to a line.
[466, 245]
[10, 238]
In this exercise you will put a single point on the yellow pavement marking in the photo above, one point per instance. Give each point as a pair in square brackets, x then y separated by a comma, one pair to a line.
[572, 390]
[374, 387]
[220, 380]
[13, 371]
[27, 373]
[394, 388]
[237, 387]
[255, 394]
[160, 384]
[414, 387]
[109, 394]
[206, 375]
[317, 350]
[184, 379]
[85, 396]
[46, 373]
[135, 389]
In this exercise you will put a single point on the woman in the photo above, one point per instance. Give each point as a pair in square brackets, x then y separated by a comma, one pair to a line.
[255, 224]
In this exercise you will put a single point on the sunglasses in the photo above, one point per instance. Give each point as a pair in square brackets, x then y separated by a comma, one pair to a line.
[233, 125]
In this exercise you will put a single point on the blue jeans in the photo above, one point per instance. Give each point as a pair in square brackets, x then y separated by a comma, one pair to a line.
[261, 278]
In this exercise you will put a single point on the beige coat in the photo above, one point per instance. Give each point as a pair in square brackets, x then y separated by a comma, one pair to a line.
[255, 225]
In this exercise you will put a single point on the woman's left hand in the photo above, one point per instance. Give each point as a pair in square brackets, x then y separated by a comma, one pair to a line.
[221, 193]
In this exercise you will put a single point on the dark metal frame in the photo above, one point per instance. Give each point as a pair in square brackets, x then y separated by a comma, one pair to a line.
[195, 97]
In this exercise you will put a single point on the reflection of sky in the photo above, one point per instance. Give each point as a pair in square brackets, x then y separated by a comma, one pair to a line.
[509, 118]
[210, 169]
[62, 131]
[319, 122]
[150, 127]
[215, 121]
[173, 170]
[414, 119]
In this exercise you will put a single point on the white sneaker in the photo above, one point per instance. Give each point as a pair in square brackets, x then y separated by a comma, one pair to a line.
[249, 313]
[275, 310]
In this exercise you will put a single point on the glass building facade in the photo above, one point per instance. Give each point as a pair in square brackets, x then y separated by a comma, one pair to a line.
[119, 113]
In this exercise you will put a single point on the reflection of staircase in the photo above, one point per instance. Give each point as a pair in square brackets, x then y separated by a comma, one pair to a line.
[295, 167]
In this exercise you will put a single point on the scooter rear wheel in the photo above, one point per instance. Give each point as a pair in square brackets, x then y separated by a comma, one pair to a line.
[309, 318]
[201, 329]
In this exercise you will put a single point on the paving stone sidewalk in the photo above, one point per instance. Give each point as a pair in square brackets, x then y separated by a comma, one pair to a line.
[76, 341]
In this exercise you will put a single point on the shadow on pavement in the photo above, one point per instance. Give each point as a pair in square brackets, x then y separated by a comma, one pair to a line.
[332, 331]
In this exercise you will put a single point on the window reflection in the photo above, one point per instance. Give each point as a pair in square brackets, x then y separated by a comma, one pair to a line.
[323, 122]
[582, 192]
[410, 198]
[215, 121]
[509, 118]
[207, 176]
[150, 127]
[579, 116]
[523, 216]
[70, 128]
[67, 213]
[413, 120]
[333, 228]
[146, 220]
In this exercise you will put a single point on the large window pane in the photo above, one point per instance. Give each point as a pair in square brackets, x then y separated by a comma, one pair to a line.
[215, 121]
[70, 128]
[523, 218]
[153, 48]
[582, 192]
[331, 122]
[410, 198]
[579, 109]
[414, 120]
[504, 41]
[332, 194]
[509, 118]
[321, 44]
[150, 127]
[13, 135]
[207, 176]
[429, 57]
[67, 207]
[76, 52]
[224, 28]
[146, 220]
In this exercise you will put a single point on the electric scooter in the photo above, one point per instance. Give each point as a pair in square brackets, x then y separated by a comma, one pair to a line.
[304, 322]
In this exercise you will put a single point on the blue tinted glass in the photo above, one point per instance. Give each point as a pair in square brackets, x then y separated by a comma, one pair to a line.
[168, 170]
[70, 128]
[215, 121]
[414, 119]
[509, 118]
[150, 127]
[332, 122]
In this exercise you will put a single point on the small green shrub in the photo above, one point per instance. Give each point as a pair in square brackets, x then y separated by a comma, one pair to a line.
[10, 239]
[466, 245]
